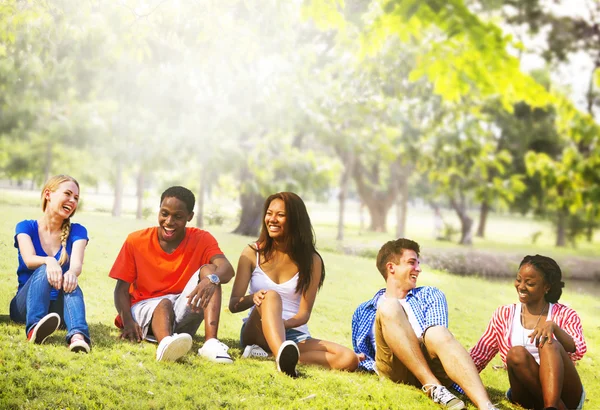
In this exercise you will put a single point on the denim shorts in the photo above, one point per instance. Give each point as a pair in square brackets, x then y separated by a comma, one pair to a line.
[579, 406]
[294, 335]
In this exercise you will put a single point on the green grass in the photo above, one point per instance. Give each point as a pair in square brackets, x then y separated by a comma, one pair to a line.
[124, 375]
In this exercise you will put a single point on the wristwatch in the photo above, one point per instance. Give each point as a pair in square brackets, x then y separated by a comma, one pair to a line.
[214, 279]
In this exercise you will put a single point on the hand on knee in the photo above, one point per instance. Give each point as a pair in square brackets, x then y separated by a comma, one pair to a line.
[271, 296]
[551, 349]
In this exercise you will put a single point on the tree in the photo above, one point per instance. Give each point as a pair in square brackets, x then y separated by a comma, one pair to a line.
[464, 56]
[373, 117]
[524, 129]
[571, 181]
[48, 98]
[464, 162]
[457, 54]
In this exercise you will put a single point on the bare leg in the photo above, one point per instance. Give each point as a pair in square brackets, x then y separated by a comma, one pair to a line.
[327, 354]
[265, 325]
[561, 385]
[523, 375]
[212, 312]
[403, 342]
[457, 363]
[162, 320]
[252, 333]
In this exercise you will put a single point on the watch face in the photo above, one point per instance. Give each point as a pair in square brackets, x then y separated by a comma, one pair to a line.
[213, 279]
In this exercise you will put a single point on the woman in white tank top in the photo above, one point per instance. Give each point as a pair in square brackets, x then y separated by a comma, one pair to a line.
[284, 272]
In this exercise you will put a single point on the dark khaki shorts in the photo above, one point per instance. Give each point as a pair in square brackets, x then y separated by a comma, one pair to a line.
[389, 366]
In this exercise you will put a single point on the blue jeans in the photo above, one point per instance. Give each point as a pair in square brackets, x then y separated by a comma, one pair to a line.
[33, 302]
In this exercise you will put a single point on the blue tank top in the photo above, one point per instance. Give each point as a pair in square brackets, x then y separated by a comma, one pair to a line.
[30, 228]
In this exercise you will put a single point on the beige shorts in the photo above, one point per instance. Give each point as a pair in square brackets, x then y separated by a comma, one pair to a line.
[390, 367]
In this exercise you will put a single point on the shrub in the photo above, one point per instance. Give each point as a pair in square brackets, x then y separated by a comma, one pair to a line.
[214, 217]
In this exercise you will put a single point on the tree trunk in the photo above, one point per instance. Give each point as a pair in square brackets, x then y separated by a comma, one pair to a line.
[341, 205]
[378, 211]
[139, 212]
[361, 216]
[48, 161]
[483, 214]
[466, 223]
[118, 201]
[438, 222]
[591, 224]
[589, 231]
[344, 182]
[561, 228]
[200, 201]
[251, 218]
[378, 202]
[402, 209]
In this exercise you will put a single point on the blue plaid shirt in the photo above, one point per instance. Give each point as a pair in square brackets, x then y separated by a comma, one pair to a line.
[428, 304]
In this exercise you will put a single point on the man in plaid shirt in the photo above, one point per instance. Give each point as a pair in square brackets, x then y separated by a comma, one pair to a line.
[403, 333]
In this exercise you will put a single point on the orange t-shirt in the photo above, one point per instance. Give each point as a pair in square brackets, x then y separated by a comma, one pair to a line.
[152, 272]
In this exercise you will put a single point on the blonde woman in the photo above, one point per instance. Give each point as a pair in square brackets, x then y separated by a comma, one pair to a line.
[50, 253]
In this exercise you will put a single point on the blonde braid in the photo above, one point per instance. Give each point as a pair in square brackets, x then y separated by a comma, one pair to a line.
[64, 235]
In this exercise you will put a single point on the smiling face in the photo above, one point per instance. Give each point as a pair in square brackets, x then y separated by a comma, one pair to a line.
[275, 219]
[62, 201]
[406, 272]
[530, 285]
[172, 218]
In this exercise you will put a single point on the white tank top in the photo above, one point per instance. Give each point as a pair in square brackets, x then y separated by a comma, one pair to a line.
[290, 299]
[518, 334]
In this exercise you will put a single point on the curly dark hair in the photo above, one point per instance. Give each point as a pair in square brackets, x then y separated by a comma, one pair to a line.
[181, 193]
[299, 239]
[551, 272]
[391, 251]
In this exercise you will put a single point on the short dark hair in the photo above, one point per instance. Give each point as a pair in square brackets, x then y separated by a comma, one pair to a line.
[551, 273]
[181, 193]
[392, 252]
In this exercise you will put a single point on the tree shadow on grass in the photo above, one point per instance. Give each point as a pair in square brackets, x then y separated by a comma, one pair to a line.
[102, 336]
[105, 336]
[235, 351]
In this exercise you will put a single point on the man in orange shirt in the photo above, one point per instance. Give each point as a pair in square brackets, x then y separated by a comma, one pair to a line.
[169, 280]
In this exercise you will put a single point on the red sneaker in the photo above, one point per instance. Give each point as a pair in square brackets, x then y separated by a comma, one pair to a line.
[44, 328]
[78, 344]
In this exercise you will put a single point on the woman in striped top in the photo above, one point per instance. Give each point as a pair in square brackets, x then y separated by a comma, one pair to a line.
[538, 340]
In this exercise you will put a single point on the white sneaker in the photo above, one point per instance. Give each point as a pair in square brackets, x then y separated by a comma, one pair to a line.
[79, 345]
[254, 351]
[173, 347]
[440, 394]
[216, 351]
[287, 358]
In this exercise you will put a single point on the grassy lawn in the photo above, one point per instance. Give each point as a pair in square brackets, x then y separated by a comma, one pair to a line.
[124, 375]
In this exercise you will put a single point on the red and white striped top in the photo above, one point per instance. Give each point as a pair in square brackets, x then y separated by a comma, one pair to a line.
[496, 337]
